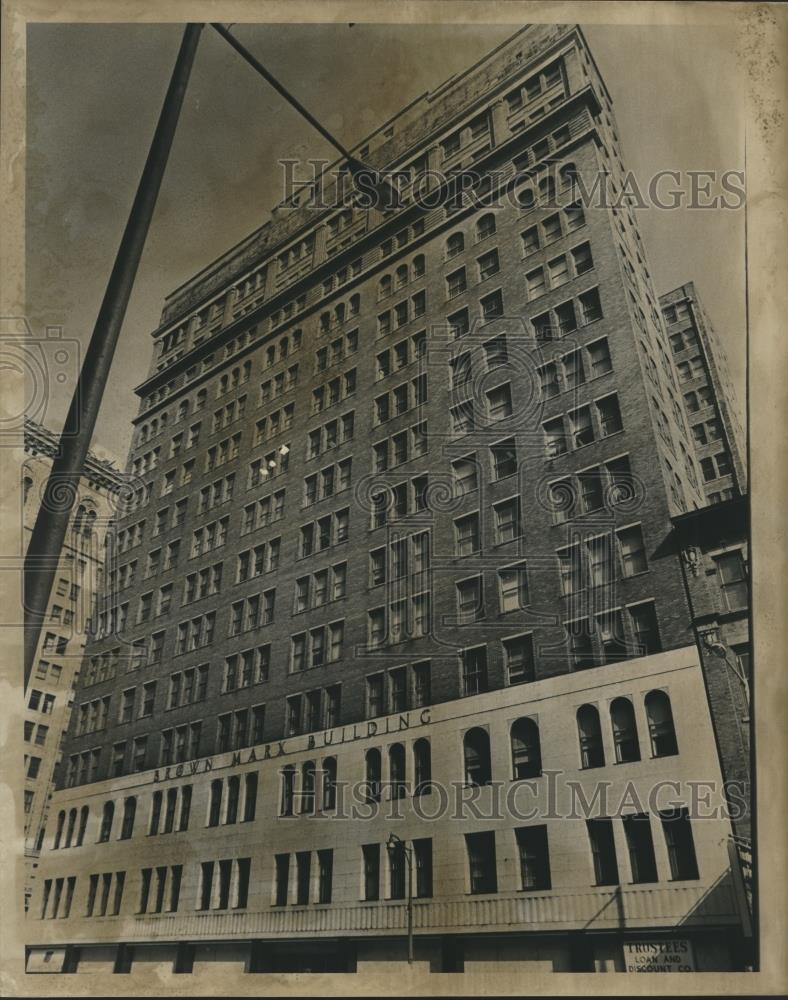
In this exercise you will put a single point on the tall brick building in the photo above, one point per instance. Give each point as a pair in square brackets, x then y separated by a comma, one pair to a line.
[399, 550]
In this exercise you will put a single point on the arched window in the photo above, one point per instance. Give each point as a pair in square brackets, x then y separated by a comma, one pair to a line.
[661, 730]
[422, 766]
[186, 807]
[625, 732]
[329, 783]
[485, 227]
[90, 521]
[418, 266]
[107, 816]
[72, 822]
[355, 305]
[79, 520]
[284, 347]
[129, 812]
[183, 410]
[339, 312]
[589, 731]
[568, 175]
[455, 244]
[288, 790]
[476, 749]
[169, 812]
[27, 485]
[215, 806]
[308, 786]
[250, 796]
[526, 749]
[155, 813]
[373, 769]
[233, 796]
[83, 824]
[397, 770]
[61, 819]
[402, 275]
[525, 197]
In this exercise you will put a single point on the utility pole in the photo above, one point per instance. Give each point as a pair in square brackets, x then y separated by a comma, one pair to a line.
[60, 492]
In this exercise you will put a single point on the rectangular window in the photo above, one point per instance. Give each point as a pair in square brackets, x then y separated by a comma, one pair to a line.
[603, 851]
[519, 657]
[483, 877]
[422, 861]
[732, 575]
[534, 857]
[474, 670]
[640, 844]
[371, 861]
[282, 874]
[680, 844]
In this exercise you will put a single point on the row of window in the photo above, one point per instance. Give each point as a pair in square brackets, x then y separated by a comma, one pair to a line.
[225, 884]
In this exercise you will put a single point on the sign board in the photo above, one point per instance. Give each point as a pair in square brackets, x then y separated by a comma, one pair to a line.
[659, 955]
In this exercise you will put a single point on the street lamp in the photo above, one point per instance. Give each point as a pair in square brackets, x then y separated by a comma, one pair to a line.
[394, 844]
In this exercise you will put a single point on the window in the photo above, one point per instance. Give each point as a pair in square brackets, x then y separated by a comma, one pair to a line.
[482, 872]
[129, 812]
[470, 599]
[662, 733]
[504, 458]
[633, 555]
[373, 771]
[609, 415]
[534, 857]
[526, 749]
[581, 257]
[644, 624]
[499, 402]
[454, 244]
[581, 654]
[535, 283]
[625, 733]
[281, 878]
[488, 265]
[590, 306]
[476, 755]
[589, 732]
[474, 670]
[397, 770]
[603, 851]
[508, 526]
[492, 306]
[555, 437]
[456, 283]
[732, 575]
[466, 534]
[599, 356]
[325, 862]
[640, 844]
[371, 863]
[680, 844]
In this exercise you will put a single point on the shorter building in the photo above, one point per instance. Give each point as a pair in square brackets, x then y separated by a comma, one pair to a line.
[49, 697]
[713, 542]
[709, 397]
[550, 826]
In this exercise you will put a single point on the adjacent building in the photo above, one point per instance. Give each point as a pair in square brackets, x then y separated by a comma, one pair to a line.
[708, 395]
[49, 698]
[395, 608]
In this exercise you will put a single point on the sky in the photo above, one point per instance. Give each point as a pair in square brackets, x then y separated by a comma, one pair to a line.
[94, 95]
